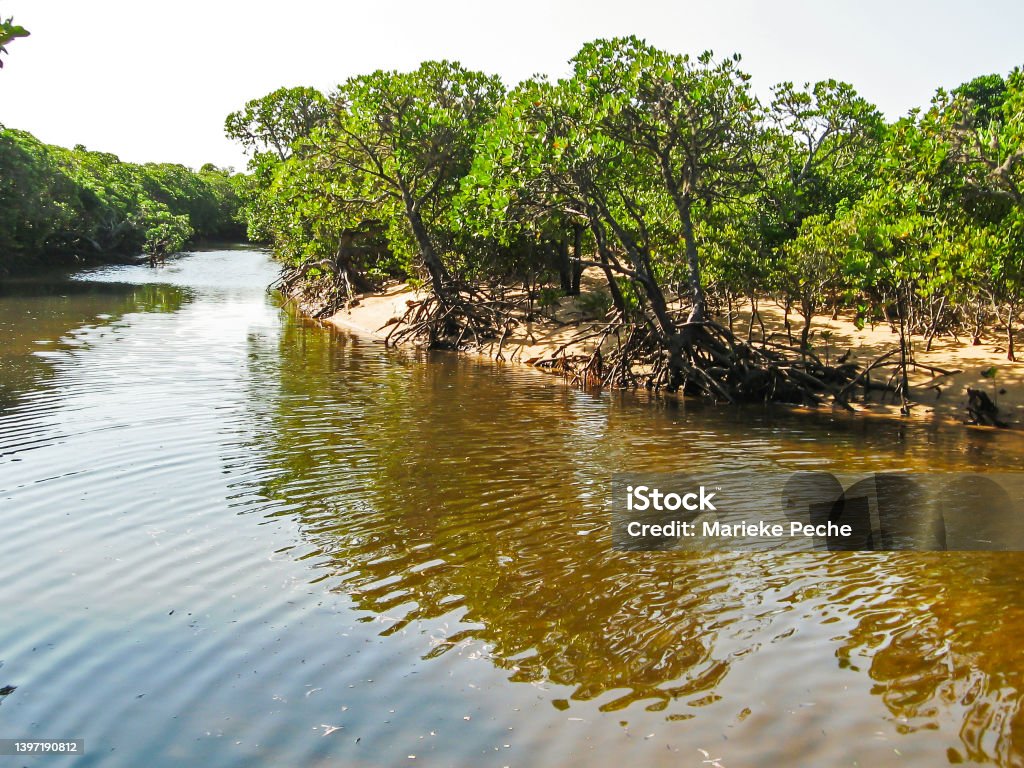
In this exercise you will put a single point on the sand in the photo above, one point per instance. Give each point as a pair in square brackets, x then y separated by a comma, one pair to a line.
[940, 398]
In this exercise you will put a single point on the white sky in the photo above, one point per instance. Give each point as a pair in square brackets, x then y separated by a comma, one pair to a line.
[153, 81]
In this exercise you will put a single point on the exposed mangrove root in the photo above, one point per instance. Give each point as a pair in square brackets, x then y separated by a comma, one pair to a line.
[704, 359]
[333, 289]
[462, 317]
[708, 360]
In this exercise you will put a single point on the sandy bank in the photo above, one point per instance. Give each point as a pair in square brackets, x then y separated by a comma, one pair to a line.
[934, 397]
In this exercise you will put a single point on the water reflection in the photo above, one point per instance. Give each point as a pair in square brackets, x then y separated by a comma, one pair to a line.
[943, 649]
[477, 494]
[49, 316]
[269, 531]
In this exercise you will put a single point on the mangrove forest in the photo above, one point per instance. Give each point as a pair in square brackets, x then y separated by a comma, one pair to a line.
[691, 196]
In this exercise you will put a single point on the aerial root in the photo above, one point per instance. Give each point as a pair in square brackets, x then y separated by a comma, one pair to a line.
[461, 318]
[707, 360]
[324, 296]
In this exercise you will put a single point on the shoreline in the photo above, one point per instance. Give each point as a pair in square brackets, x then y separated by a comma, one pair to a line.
[935, 398]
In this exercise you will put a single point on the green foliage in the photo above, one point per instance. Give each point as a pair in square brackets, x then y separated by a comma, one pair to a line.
[391, 153]
[821, 146]
[277, 121]
[58, 204]
[164, 232]
[638, 144]
[38, 201]
[660, 168]
[549, 298]
[986, 95]
[9, 31]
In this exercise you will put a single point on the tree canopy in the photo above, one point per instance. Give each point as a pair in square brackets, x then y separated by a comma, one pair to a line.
[668, 175]
[58, 205]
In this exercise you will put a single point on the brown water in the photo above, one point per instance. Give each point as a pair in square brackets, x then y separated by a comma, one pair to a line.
[231, 537]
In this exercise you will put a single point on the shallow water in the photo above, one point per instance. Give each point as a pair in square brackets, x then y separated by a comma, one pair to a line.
[232, 537]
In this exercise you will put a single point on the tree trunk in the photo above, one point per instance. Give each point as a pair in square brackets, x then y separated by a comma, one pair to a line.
[681, 197]
[805, 334]
[807, 312]
[640, 260]
[1010, 354]
[439, 276]
[564, 268]
[754, 315]
[655, 297]
[699, 308]
[904, 383]
[618, 300]
[577, 259]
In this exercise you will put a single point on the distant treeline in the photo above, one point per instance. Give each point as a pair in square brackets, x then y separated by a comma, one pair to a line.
[62, 206]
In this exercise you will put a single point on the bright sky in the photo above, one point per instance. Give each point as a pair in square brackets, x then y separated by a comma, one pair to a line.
[153, 81]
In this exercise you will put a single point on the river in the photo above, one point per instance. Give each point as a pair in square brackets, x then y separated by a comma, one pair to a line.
[232, 537]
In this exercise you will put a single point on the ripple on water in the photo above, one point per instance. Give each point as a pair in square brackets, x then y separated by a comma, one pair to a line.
[232, 537]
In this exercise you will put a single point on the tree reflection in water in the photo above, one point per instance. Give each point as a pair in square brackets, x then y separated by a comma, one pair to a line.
[475, 494]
